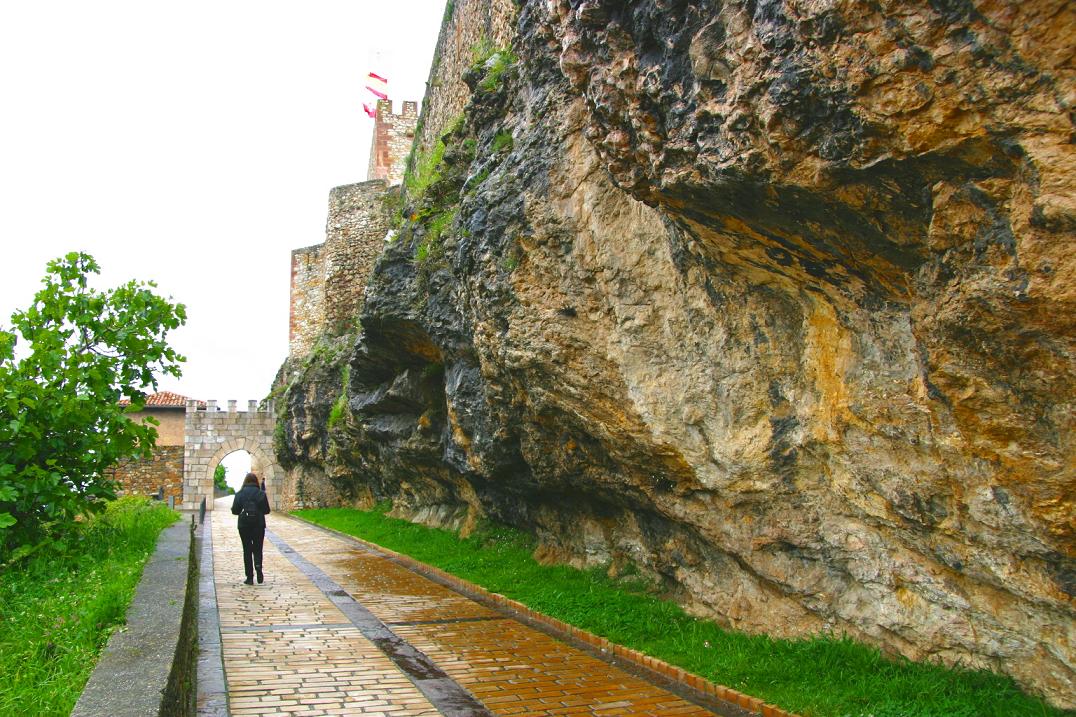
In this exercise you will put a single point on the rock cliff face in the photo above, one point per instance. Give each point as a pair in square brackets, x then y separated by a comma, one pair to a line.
[773, 299]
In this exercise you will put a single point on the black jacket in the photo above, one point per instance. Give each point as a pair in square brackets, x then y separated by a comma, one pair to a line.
[251, 493]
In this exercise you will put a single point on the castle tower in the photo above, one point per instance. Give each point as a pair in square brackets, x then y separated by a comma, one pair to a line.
[328, 279]
[393, 135]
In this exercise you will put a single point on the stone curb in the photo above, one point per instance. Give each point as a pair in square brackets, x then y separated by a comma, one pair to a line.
[640, 660]
[137, 671]
[212, 697]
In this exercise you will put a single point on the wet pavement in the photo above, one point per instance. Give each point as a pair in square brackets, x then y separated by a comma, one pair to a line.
[338, 629]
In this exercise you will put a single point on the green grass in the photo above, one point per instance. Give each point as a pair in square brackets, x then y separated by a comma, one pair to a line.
[492, 61]
[424, 168]
[431, 249]
[502, 141]
[502, 60]
[336, 413]
[57, 610]
[482, 50]
[817, 677]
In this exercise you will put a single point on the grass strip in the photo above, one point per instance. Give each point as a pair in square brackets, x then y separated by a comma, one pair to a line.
[57, 610]
[816, 677]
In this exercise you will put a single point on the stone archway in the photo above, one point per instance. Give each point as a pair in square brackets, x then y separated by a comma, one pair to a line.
[211, 434]
[260, 463]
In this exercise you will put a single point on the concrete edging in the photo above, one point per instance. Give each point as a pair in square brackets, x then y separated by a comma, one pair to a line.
[570, 633]
[212, 698]
[138, 673]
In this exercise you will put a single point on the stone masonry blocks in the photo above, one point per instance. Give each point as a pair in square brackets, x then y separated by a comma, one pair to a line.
[354, 236]
[471, 22]
[307, 311]
[210, 435]
[391, 143]
[328, 281]
[164, 470]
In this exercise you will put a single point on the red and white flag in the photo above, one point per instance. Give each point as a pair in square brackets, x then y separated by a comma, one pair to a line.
[368, 111]
[378, 86]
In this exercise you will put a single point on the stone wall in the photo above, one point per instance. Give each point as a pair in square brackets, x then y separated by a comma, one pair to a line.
[392, 140]
[469, 23]
[150, 666]
[328, 280]
[354, 234]
[307, 312]
[212, 434]
[308, 486]
[148, 476]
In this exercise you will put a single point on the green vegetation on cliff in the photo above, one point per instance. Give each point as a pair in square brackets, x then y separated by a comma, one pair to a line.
[336, 414]
[435, 176]
[58, 610]
[491, 63]
[818, 677]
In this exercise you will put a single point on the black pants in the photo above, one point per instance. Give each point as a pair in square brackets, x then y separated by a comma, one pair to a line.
[252, 548]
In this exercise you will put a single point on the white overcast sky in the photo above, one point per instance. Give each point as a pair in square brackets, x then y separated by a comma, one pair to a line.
[193, 144]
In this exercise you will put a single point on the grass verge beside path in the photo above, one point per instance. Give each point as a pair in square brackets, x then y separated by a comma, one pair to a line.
[817, 677]
[58, 610]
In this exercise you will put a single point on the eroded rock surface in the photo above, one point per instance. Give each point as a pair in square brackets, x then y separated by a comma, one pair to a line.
[773, 300]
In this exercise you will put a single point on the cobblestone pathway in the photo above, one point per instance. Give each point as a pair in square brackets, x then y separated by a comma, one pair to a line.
[339, 630]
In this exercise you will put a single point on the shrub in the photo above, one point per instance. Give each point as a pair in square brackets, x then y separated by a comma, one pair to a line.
[57, 609]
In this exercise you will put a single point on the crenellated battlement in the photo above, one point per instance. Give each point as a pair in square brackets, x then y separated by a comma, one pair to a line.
[409, 108]
[230, 406]
[392, 139]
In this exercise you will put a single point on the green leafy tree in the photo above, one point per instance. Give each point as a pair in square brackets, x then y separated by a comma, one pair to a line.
[61, 423]
[220, 479]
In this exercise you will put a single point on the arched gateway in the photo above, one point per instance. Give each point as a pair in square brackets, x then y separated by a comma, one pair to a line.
[211, 434]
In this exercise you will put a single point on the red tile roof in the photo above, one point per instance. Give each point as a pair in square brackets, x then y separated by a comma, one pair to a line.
[165, 399]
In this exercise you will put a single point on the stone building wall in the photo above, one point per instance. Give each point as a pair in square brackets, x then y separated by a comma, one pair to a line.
[392, 139]
[147, 476]
[328, 280]
[354, 235]
[170, 423]
[470, 22]
[307, 312]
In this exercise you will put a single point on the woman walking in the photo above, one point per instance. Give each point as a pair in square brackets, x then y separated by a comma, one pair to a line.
[251, 505]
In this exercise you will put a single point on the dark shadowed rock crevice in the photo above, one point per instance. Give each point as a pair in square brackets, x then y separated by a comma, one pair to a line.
[773, 300]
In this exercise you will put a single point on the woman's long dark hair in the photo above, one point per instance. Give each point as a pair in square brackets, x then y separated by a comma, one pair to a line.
[251, 479]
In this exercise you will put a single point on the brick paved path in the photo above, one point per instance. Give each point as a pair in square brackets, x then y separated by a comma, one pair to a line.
[340, 630]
